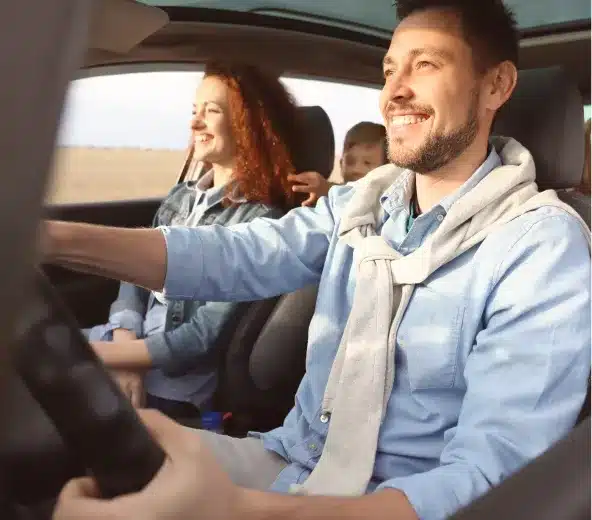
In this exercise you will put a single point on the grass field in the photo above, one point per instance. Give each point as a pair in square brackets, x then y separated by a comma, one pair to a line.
[104, 174]
[101, 174]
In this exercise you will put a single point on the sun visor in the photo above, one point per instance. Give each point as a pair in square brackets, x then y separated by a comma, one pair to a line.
[119, 25]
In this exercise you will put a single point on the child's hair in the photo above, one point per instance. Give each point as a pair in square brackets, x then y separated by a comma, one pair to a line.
[366, 133]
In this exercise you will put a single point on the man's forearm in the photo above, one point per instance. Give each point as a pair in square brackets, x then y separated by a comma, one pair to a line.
[137, 256]
[387, 505]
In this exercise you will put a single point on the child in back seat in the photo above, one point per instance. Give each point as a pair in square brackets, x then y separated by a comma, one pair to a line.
[364, 149]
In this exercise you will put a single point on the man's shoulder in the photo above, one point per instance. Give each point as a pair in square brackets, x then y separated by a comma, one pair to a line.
[340, 194]
[536, 232]
[549, 221]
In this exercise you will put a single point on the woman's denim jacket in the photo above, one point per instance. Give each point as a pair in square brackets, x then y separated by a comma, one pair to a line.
[192, 327]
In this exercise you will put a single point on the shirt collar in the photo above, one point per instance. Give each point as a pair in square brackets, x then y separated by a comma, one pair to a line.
[491, 162]
[205, 183]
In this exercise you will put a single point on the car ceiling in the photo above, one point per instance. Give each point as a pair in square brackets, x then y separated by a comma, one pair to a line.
[379, 15]
[125, 32]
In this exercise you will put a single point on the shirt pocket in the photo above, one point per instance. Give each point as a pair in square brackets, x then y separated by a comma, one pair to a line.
[428, 339]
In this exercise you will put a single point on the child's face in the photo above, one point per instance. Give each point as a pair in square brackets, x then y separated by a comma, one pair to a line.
[360, 159]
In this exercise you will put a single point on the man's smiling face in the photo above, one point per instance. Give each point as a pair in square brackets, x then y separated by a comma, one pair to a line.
[431, 97]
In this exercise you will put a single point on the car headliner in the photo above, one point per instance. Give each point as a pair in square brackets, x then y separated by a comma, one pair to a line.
[378, 16]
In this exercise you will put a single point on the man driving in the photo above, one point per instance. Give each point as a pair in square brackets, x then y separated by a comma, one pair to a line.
[451, 339]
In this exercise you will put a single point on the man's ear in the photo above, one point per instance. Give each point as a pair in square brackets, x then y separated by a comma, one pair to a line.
[500, 84]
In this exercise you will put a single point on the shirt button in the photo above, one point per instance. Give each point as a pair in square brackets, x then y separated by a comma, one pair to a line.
[312, 447]
[324, 418]
[440, 217]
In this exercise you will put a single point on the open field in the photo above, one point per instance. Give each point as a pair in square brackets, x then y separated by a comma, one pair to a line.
[104, 174]
[101, 174]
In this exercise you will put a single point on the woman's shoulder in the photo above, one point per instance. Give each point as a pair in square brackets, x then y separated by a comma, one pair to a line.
[181, 189]
[246, 211]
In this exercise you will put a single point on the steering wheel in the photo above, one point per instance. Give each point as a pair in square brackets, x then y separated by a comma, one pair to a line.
[94, 418]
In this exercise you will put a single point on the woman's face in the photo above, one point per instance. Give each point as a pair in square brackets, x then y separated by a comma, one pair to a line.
[210, 124]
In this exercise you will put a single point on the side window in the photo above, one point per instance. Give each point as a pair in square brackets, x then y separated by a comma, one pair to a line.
[122, 136]
[345, 104]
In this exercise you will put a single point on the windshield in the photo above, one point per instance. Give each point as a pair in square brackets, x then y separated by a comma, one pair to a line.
[379, 14]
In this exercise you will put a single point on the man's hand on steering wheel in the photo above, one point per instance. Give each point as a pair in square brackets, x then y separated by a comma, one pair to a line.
[190, 484]
[132, 385]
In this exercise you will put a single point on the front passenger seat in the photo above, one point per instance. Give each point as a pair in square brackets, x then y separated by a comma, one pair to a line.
[263, 353]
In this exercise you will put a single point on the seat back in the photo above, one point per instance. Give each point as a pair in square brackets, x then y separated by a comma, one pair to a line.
[546, 115]
[264, 361]
[264, 352]
[316, 151]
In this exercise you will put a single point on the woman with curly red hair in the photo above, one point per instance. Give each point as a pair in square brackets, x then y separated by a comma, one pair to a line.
[245, 131]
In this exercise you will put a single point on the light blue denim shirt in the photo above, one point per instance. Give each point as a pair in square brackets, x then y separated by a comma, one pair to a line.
[493, 353]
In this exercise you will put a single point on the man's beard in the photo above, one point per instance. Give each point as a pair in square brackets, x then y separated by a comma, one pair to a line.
[438, 149]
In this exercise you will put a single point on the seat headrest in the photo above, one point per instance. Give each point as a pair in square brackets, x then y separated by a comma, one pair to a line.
[545, 114]
[318, 148]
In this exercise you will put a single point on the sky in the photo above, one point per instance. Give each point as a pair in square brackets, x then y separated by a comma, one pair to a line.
[153, 109]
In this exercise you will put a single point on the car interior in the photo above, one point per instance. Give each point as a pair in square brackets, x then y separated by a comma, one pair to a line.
[262, 353]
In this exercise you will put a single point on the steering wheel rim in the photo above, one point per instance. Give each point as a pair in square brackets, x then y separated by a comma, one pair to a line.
[74, 388]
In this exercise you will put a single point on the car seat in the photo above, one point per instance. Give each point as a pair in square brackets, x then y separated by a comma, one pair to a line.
[263, 352]
[546, 115]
